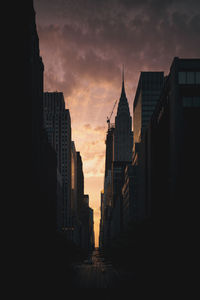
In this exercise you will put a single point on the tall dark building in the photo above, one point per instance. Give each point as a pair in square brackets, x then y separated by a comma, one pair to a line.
[74, 196]
[147, 96]
[128, 197]
[74, 205]
[85, 223]
[91, 229]
[173, 145]
[123, 135]
[80, 182]
[122, 154]
[35, 76]
[57, 124]
[44, 164]
[119, 143]
[43, 156]
[109, 149]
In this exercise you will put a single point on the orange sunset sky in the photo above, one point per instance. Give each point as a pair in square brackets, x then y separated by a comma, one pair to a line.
[83, 44]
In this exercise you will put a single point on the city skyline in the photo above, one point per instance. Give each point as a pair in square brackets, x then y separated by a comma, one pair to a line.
[83, 49]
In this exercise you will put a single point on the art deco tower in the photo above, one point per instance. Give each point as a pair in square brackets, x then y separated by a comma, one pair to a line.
[123, 135]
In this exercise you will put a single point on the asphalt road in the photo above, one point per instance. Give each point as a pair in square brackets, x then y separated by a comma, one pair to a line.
[96, 273]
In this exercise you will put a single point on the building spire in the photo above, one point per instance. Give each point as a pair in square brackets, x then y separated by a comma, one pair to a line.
[123, 73]
[123, 94]
[123, 102]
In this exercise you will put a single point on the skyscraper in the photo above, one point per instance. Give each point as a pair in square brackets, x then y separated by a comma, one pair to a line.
[80, 182]
[147, 96]
[43, 155]
[123, 135]
[57, 123]
[174, 145]
[122, 154]
[109, 150]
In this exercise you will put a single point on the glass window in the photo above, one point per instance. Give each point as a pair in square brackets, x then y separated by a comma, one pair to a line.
[191, 101]
[196, 101]
[197, 77]
[190, 78]
[182, 77]
[187, 101]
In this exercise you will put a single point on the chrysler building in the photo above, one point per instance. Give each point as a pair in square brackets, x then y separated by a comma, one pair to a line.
[123, 135]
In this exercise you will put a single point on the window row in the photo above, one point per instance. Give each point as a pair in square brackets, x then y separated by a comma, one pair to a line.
[148, 108]
[189, 77]
[191, 101]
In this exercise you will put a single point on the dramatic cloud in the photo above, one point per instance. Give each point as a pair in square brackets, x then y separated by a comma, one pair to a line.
[84, 43]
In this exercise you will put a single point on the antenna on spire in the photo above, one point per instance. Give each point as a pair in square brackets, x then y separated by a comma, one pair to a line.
[123, 73]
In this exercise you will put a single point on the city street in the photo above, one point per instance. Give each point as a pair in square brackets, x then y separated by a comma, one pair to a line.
[96, 273]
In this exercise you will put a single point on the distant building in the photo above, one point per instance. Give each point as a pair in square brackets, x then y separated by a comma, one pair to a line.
[122, 155]
[74, 205]
[109, 149]
[86, 200]
[91, 229]
[87, 223]
[119, 144]
[101, 224]
[80, 183]
[106, 195]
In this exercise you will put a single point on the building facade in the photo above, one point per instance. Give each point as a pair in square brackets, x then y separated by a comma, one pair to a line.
[57, 124]
[147, 96]
[123, 135]
[173, 145]
[119, 143]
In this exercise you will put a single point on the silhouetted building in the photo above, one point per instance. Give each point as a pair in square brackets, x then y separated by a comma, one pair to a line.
[43, 156]
[57, 124]
[128, 197]
[106, 210]
[109, 149]
[75, 209]
[119, 143]
[44, 164]
[101, 224]
[118, 169]
[35, 84]
[123, 144]
[123, 135]
[80, 183]
[173, 146]
[91, 229]
[147, 95]
[73, 179]
[59, 201]
[86, 224]
[106, 196]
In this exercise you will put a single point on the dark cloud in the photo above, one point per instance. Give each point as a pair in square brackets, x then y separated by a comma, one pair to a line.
[91, 39]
